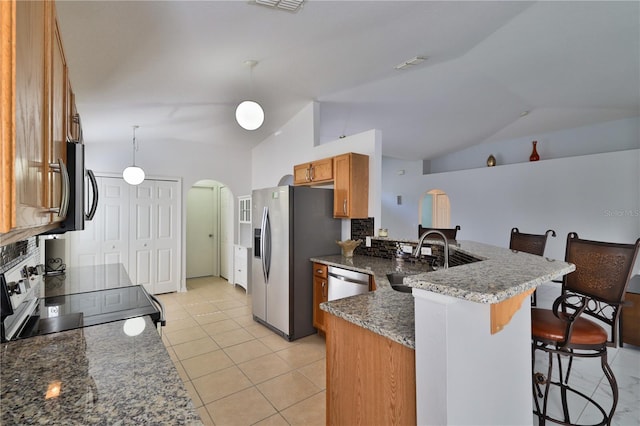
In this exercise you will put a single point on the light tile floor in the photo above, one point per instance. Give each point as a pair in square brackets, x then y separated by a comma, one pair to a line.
[237, 371]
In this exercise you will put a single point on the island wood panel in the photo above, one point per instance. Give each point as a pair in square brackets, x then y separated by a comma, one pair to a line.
[371, 380]
[502, 312]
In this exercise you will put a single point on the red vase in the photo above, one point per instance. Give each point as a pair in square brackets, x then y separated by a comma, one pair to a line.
[534, 154]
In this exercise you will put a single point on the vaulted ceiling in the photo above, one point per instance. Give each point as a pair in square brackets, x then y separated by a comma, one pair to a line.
[175, 68]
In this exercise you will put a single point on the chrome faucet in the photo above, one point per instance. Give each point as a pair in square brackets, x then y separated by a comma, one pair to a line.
[417, 251]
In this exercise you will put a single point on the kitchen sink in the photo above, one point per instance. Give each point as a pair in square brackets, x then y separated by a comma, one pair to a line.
[396, 281]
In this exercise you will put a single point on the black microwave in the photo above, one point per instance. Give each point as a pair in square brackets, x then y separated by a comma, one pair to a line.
[82, 188]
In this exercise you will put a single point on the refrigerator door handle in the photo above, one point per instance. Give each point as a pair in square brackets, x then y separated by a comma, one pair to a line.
[265, 244]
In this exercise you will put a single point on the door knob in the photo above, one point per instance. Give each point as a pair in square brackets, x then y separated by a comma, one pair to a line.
[210, 235]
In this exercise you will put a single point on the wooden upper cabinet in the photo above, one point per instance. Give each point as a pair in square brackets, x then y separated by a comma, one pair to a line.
[57, 149]
[31, 78]
[320, 294]
[351, 186]
[316, 172]
[33, 105]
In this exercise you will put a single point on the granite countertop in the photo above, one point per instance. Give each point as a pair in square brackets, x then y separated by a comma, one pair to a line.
[500, 275]
[104, 377]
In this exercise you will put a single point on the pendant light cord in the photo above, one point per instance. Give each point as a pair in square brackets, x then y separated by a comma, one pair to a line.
[135, 146]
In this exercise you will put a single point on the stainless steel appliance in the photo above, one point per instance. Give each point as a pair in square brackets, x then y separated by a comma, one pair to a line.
[79, 209]
[29, 308]
[295, 224]
[344, 283]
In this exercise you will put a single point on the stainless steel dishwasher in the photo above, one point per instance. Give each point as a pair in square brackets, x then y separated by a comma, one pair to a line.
[345, 283]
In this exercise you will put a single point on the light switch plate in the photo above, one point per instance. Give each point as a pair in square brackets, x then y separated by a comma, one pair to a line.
[426, 251]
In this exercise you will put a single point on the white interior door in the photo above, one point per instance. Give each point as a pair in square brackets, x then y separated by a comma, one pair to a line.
[202, 232]
[105, 239]
[153, 260]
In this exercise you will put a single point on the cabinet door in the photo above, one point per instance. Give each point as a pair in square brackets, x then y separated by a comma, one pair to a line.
[7, 115]
[32, 19]
[301, 174]
[57, 147]
[319, 296]
[322, 170]
[341, 186]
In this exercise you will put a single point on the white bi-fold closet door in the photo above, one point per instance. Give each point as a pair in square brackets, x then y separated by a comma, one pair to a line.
[138, 226]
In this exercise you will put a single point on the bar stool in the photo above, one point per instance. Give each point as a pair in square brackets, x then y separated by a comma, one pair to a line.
[530, 243]
[595, 289]
[450, 233]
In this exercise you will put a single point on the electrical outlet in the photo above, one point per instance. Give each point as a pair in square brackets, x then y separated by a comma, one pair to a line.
[407, 249]
[425, 251]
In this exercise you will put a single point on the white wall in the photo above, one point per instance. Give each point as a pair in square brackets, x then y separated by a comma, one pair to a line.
[297, 143]
[401, 178]
[596, 196]
[190, 161]
[616, 135]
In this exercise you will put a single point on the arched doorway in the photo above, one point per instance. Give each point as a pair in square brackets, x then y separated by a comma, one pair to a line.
[435, 209]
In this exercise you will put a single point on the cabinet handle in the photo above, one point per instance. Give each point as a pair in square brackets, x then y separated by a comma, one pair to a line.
[344, 206]
[312, 173]
[306, 175]
[324, 288]
[319, 271]
[60, 167]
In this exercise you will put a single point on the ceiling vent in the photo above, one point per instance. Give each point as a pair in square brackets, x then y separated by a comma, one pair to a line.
[288, 5]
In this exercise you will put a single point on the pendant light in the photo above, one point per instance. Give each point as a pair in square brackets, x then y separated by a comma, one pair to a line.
[133, 175]
[249, 114]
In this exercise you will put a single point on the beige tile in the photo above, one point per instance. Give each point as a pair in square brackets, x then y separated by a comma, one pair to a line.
[227, 304]
[313, 341]
[180, 324]
[233, 337]
[276, 342]
[172, 354]
[288, 389]
[177, 313]
[200, 308]
[206, 363]
[243, 408]
[220, 384]
[210, 317]
[245, 320]
[195, 347]
[247, 351]
[298, 356]
[177, 337]
[258, 330]
[220, 327]
[242, 311]
[275, 420]
[316, 372]
[310, 412]
[264, 368]
[204, 416]
[197, 402]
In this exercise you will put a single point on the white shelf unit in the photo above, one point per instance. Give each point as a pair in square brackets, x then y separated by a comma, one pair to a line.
[240, 265]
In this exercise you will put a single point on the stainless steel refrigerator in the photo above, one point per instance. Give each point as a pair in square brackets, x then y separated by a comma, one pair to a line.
[291, 224]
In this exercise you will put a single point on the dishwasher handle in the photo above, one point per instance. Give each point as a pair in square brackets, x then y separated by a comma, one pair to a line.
[349, 280]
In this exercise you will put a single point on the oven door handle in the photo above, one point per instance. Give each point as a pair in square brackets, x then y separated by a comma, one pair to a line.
[158, 303]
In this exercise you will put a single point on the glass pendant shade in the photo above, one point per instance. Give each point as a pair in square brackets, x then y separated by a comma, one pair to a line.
[249, 115]
[133, 175]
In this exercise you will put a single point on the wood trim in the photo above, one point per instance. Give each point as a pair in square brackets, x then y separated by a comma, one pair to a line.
[502, 312]
[371, 380]
[7, 114]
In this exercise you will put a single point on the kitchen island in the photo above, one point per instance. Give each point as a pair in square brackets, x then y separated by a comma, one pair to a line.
[469, 326]
[101, 374]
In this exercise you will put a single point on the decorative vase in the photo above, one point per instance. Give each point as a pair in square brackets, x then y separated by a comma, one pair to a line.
[491, 161]
[348, 246]
[534, 154]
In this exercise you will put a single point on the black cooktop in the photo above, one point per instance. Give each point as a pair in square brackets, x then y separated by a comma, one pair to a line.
[71, 311]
